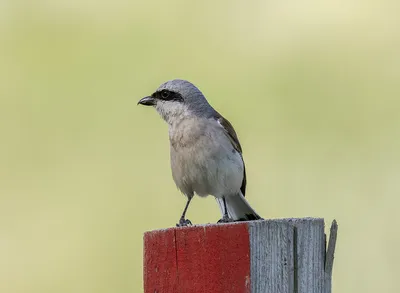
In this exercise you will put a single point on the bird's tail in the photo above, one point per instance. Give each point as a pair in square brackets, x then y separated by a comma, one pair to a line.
[238, 208]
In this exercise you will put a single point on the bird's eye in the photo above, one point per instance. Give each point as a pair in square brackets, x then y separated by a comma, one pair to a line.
[165, 94]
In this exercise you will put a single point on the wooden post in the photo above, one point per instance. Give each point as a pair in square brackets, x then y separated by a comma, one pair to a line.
[268, 256]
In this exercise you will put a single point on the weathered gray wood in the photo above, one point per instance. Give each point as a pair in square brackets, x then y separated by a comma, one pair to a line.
[330, 257]
[309, 250]
[271, 249]
[288, 256]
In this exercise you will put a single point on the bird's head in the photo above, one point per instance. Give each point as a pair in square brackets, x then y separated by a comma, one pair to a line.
[177, 99]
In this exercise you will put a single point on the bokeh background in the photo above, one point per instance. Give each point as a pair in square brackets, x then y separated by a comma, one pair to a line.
[312, 88]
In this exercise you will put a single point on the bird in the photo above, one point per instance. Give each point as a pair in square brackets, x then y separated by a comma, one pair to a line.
[205, 152]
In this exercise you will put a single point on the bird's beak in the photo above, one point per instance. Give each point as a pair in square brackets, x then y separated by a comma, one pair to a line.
[147, 101]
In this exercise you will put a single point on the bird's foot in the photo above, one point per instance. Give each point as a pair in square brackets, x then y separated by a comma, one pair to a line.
[184, 223]
[226, 219]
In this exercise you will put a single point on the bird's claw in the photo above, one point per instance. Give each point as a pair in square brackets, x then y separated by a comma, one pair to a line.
[226, 219]
[184, 223]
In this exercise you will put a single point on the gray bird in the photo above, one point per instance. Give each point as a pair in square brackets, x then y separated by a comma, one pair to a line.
[206, 156]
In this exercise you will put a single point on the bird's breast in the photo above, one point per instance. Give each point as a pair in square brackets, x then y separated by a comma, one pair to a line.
[203, 159]
[186, 133]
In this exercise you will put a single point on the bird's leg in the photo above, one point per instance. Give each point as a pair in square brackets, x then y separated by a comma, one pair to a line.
[182, 221]
[225, 218]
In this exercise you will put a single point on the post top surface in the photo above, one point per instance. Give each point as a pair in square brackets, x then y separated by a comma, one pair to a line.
[210, 225]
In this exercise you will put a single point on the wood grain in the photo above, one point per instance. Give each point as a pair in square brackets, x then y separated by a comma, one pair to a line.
[271, 247]
[309, 254]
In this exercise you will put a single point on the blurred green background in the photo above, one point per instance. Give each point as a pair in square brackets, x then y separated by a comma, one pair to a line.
[311, 87]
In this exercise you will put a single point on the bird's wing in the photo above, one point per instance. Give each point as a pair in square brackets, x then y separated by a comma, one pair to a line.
[231, 134]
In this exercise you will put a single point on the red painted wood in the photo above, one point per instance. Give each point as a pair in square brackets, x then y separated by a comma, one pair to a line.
[160, 273]
[214, 258]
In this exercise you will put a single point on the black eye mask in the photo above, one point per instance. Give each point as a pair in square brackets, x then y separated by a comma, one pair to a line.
[167, 95]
